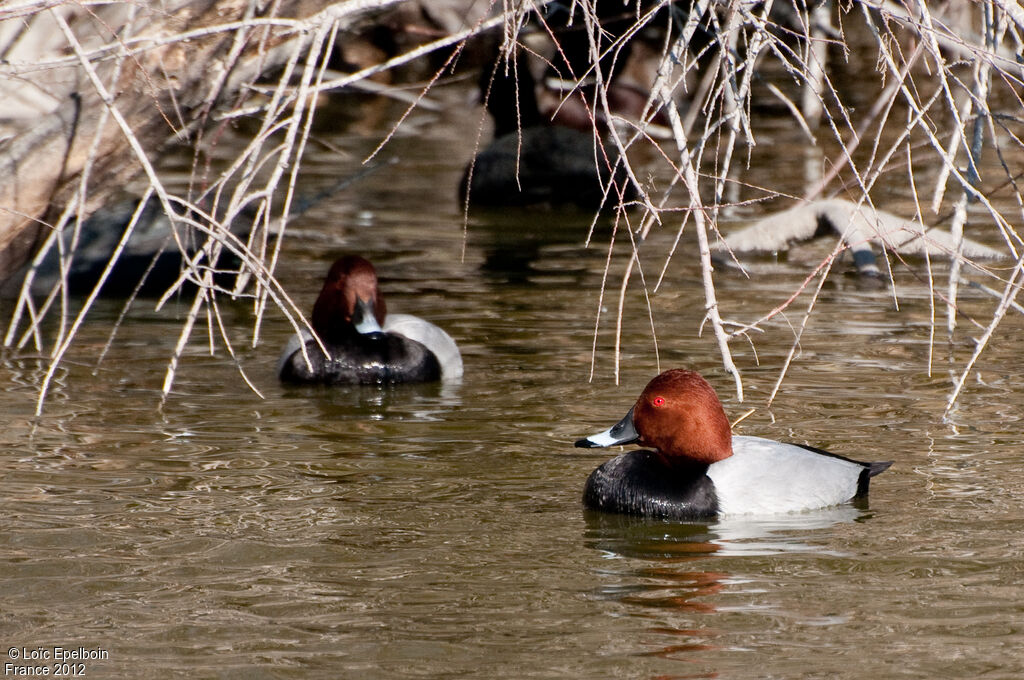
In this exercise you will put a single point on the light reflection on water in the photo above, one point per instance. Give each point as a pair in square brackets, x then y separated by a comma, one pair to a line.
[433, 531]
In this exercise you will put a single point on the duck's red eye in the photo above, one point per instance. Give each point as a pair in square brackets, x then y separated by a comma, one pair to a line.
[658, 401]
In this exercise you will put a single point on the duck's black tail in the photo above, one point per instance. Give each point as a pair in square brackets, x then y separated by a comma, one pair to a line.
[869, 471]
[878, 468]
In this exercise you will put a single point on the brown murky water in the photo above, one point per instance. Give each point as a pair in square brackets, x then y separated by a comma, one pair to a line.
[428, 532]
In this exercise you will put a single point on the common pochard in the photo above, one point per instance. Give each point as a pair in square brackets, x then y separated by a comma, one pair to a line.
[365, 344]
[532, 161]
[698, 469]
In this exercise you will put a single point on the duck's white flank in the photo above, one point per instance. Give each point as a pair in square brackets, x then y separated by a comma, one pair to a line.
[430, 336]
[766, 477]
[295, 342]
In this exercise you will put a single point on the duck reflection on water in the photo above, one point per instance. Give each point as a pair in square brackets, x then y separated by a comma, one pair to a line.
[663, 572]
[630, 536]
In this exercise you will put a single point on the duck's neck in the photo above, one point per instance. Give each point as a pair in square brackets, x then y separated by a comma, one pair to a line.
[682, 463]
[339, 333]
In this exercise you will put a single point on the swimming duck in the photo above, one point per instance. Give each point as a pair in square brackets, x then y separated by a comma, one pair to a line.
[365, 344]
[532, 161]
[698, 469]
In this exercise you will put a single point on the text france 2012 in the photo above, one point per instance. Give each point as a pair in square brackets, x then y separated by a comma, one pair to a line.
[53, 662]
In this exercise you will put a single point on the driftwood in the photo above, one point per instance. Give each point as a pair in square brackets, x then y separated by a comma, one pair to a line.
[113, 102]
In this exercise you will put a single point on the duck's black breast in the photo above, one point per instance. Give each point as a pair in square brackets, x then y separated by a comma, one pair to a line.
[541, 164]
[374, 359]
[641, 483]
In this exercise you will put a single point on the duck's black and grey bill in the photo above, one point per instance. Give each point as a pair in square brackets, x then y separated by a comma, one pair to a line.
[364, 317]
[622, 432]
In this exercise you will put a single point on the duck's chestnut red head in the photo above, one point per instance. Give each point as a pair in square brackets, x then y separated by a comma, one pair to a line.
[349, 296]
[679, 414]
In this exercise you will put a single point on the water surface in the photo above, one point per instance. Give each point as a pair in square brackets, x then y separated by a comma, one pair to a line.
[437, 532]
